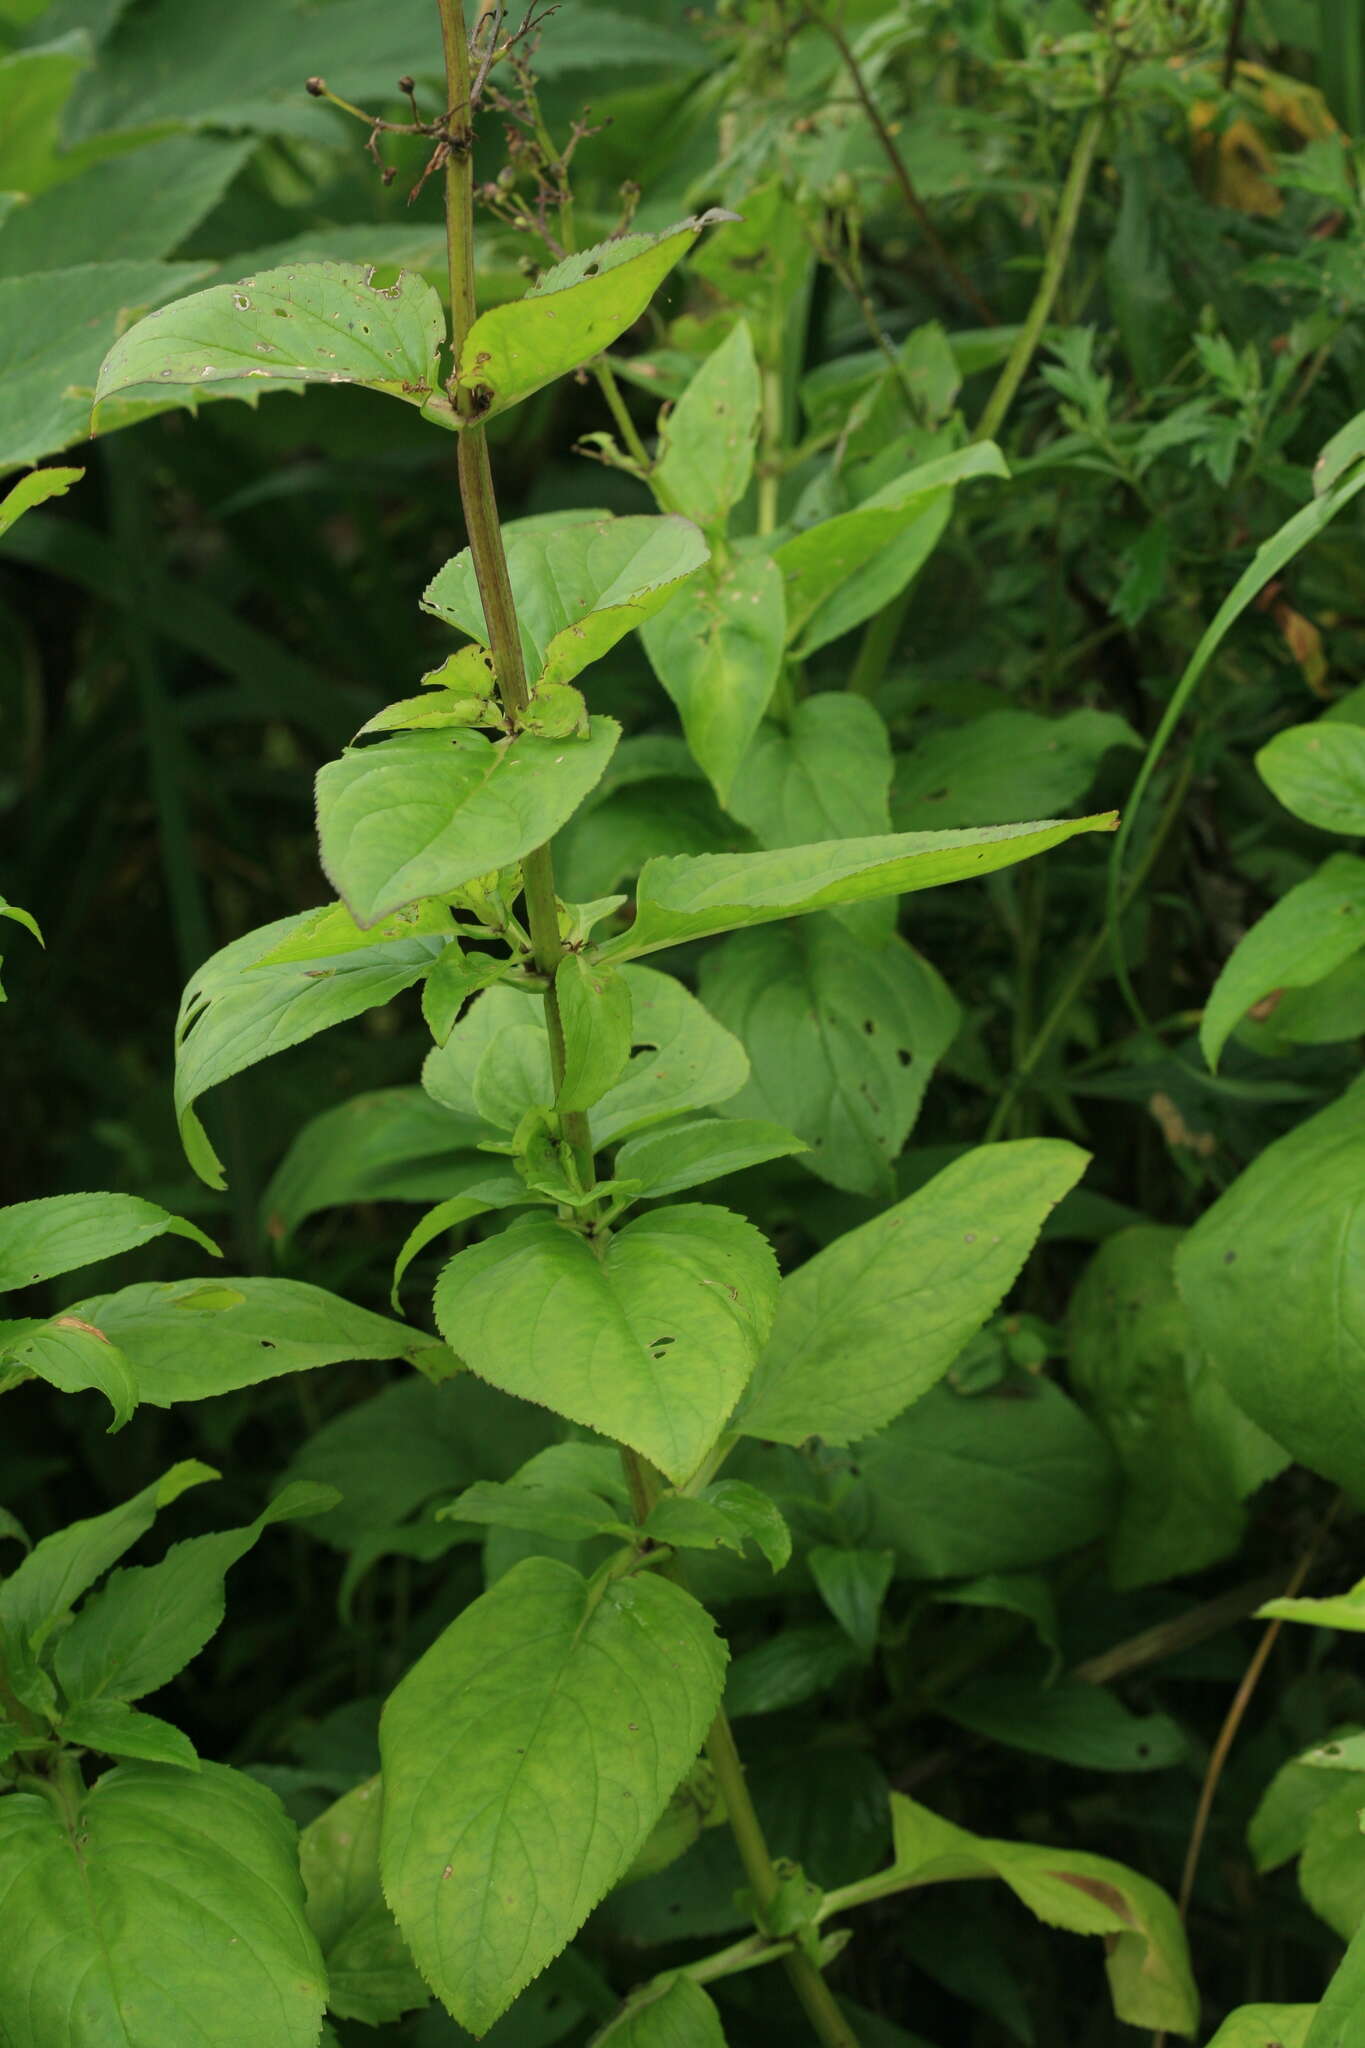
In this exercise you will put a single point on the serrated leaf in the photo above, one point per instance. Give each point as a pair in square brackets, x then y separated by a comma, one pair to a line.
[175, 1893]
[651, 1344]
[115, 1729]
[717, 650]
[370, 1975]
[580, 581]
[594, 1009]
[690, 897]
[1318, 773]
[707, 452]
[527, 1756]
[1315, 927]
[420, 815]
[571, 1514]
[60, 1233]
[726, 1515]
[314, 323]
[686, 1155]
[876, 1319]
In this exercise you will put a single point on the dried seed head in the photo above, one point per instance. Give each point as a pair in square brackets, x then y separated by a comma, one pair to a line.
[317, 86]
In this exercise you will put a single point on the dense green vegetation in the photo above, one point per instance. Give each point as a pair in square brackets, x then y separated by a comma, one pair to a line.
[693, 895]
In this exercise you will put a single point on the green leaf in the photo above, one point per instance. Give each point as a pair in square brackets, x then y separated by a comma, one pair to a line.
[59, 1233]
[681, 1059]
[189, 1339]
[1147, 1963]
[825, 776]
[574, 312]
[853, 1585]
[115, 1729]
[529, 1754]
[1003, 765]
[60, 1568]
[594, 1008]
[1334, 1610]
[707, 440]
[1266, 2026]
[385, 1145]
[1337, 2020]
[12, 910]
[873, 1321]
[54, 328]
[149, 1621]
[689, 898]
[370, 1975]
[685, 1155]
[1292, 1358]
[678, 2016]
[695, 1805]
[651, 1344]
[797, 1665]
[581, 582]
[237, 1010]
[1189, 1457]
[843, 1038]
[35, 85]
[1332, 1866]
[73, 1355]
[717, 650]
[452, 981]
[571, 1514]
[420, 815]
[842, 571]
[1315, 927]
[1318, 773]
[319, 323]
[175, 1894]
[1075, 1723]
[483, 1192]
[34, 489]
[138, 205]
[726, 1516]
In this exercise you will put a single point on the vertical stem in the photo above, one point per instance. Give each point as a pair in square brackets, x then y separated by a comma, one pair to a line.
[770, 450]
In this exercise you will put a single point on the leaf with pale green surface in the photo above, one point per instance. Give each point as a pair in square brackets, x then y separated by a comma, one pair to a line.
[318, 323]
[574, 312]
[651, 1344]
[34, 489]
[191, 1339]
[75, 1356]
[825, 775]
[717, 650]
[692, 897]
[843, 1038]
[571, 1514]
[1003, 765]
[1315, 927]
[580, 580]
[1291, 1356]
[686, 1155]
[483, 1191]
[1336, 2023]
[149, 1621]
[1266, 2026]
[370, 1975]
[113, 1728]
[707, 452]
[139, 205]
[876, 1319]
[35, 85]
[680, 2015]
[1318, 773]
[386, 1145]
[594, 1008]
[60, 1233]
[172, 1911]
[420, 815]
[527, 1757]
[727, 1515]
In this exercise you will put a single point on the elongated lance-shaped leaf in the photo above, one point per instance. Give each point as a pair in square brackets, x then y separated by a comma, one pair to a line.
[692, 896]
[526, 1758]
[312, 323]
[575, 311]
[1315, 927]
[35, 489]
[61, 1233]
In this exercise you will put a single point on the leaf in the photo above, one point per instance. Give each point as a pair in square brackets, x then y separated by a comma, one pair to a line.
[116, 1729]
[681, 1059]
[529, 1754]
[1147, 1963]
[189, 1339]
[139, 205]
[685, 1155]
[1075, 1723]
[1189, 1458]
[1318, 772]
[797, 1665]
[1315, 927]
[1003, 765]
[1335, 1610]
[149, 1621]
[692, 897]
[34, 489]
[574, 312]
[319, 323]
[717, 650]
[842, 571]
[873, 1321]
[54, 329]
[370, 1975]
[581, 581]
[385, 1145]
[1332, 1866]
[34, 87]
[60, 1568]
[650, 1345]
[594, 1007]
[1337, 2020]
[571, 1514]
[853, 1585]
[843, 1038]
[175, 1894]
[1292, 1358]
[825, 776]
[1266, 2026]
[59, 1233]
[483, 1191]
[726, 1516]
[73, 1355]
[420, 815]
[679, 2016]
[237, 1010]
[707, 452]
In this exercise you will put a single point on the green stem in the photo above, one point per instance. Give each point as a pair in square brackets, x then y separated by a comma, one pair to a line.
[616, 405]
[1054, 266]
[770, 451]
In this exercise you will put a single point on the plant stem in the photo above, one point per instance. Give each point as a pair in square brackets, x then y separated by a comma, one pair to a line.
[616, 405]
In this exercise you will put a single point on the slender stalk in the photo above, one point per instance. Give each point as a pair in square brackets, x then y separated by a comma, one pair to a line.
[770, 451]
[616, 405]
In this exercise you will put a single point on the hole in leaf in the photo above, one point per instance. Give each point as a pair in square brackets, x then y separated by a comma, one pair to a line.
[904, 1055]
